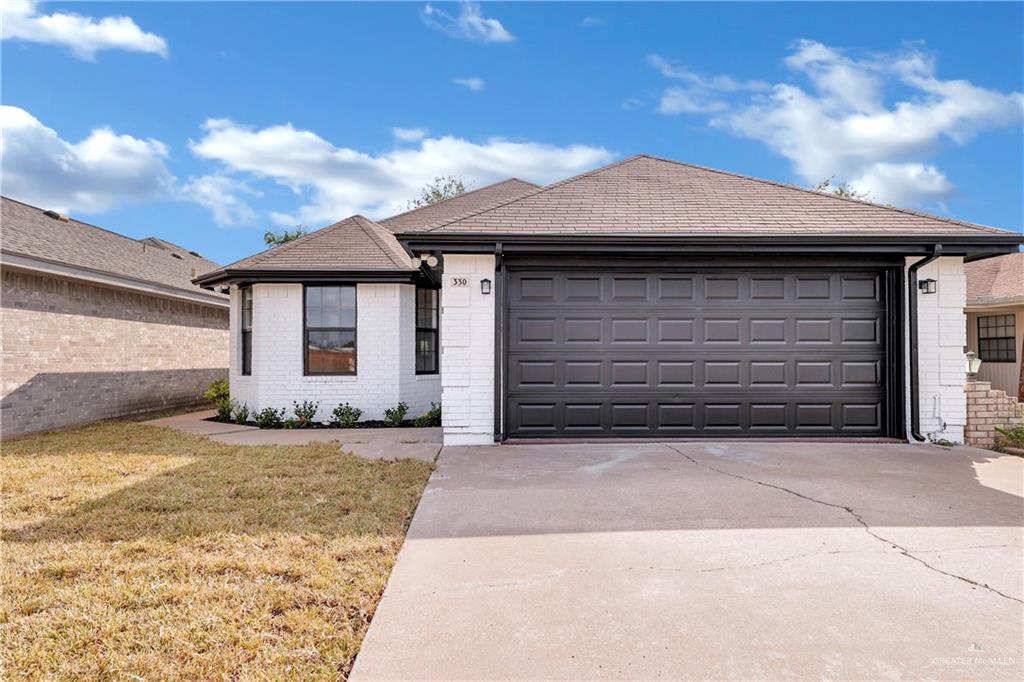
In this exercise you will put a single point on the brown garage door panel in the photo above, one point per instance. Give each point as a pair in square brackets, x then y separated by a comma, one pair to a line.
[699, 353]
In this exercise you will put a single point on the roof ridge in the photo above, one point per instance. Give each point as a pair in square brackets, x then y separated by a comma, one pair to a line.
[371, 228]
[469, 214]
[458, 196]
[73, 219]
[776, 183]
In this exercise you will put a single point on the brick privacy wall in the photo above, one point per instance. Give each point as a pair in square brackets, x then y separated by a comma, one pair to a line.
[385, 360]
[467, 351]
[988, 408]
[75, 352]
[942, 334]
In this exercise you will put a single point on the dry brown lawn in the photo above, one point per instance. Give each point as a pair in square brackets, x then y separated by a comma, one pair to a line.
[135, 552]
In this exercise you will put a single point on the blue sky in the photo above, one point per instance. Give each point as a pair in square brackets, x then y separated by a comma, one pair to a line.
[207, 124]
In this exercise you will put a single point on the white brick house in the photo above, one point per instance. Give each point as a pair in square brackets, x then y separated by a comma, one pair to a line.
[648, 298]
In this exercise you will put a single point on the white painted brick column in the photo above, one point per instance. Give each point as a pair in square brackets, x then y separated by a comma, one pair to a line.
[467, 351]
[942, 334]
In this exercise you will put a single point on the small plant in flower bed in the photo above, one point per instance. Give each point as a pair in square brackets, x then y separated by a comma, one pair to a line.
[219, 393]
[431, 418]
[305, 413]
[345, 416]
[269, 418]
[394, 416]
[239, 412]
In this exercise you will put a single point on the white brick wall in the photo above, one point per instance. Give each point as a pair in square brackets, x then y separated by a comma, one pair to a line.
[942, 334]
[467, 351]
[385, 338]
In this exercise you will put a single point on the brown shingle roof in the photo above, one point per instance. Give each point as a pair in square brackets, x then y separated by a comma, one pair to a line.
[356, 243]
[469, 202]
[27, 231]
[649, 195]
[996, 280]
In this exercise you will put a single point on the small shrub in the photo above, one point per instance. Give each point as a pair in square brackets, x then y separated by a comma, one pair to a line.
[431, 418]
[1015, 435]
[269, 418]
[218, 391]
[223, 407]
[394, 416]
[239, 412]
[346, 416]
[305, 413]
[291, 424]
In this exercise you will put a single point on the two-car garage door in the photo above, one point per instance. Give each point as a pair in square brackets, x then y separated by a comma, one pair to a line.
[714, 352]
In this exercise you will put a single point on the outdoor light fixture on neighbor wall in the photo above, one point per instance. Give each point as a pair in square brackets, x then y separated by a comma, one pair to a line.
[485, 286]
[973, 364]
[927, 286]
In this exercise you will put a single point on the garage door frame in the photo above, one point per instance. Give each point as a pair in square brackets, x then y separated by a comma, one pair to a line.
[892, 270]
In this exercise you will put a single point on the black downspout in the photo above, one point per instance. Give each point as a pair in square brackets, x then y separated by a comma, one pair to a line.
[915, 399]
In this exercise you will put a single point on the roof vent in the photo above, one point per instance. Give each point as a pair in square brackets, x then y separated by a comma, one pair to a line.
[195, 254]
[56, 216]
[177, 255]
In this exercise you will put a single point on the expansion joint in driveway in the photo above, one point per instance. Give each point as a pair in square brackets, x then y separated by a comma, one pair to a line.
[901, 549]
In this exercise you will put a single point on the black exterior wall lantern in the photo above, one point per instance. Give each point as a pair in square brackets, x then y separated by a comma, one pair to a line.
[927, 286]
[485, 286]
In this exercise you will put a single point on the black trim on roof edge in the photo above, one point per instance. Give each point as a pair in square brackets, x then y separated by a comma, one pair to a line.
[972, 245]
[299, 276]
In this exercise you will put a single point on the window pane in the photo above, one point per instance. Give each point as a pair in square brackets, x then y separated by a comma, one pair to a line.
[348, 306]
[330, 312]
[331, 352]
[313, 298]
[246, 352]
[426, 351]
[426, 308]
[247, 308]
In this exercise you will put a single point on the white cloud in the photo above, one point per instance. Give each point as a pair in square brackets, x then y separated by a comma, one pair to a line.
[592, 22]
[335, 182]
[841, 124]
[475, 83]
[84, 36]
[220, 194]
[470, 24]
[101, 171]
[631, 104]
[409, 134]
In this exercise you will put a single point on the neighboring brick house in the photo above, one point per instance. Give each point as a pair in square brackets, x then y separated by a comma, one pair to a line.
[95, 325]
[995, 320]
[648, 298]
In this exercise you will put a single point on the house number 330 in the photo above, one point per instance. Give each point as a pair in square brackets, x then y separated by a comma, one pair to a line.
[460, 282]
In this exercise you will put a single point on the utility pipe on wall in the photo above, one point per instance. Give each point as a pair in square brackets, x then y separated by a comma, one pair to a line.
[915, 398]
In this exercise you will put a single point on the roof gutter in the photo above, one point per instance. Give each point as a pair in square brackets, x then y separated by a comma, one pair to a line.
[912, 294]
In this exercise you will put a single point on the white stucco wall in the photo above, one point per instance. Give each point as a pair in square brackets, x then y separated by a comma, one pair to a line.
[942, 334]
[467, 351]
[385, 364]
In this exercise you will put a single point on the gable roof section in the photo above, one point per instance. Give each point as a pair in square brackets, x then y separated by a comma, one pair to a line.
[996, 281]
[650, 195]
[29, 233]
[468, 202]
[353, 244]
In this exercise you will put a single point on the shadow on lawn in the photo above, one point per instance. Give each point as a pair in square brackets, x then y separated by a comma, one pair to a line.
[303, 490]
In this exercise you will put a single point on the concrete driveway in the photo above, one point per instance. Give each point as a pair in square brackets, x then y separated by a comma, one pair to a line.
[708, 561]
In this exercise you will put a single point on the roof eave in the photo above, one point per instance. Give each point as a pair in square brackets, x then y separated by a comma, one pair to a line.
[303, 275]
[971, 245]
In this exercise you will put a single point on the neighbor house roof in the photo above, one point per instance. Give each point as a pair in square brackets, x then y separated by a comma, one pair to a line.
[469, 202]
[44, 240]
[353, 244]
[996, 281]
[649, 195]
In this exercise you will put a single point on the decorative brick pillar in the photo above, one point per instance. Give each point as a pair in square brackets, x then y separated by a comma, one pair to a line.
[988, 409]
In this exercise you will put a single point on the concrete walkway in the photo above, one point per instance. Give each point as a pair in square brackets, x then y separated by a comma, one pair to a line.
[403, 443]
[708, 561]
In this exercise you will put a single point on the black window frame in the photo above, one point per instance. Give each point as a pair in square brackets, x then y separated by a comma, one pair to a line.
[435, 331]
[306, 329]
[245, 333]
[1005, 349]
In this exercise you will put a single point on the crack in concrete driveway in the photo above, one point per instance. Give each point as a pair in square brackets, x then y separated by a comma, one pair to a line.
[849, 510]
